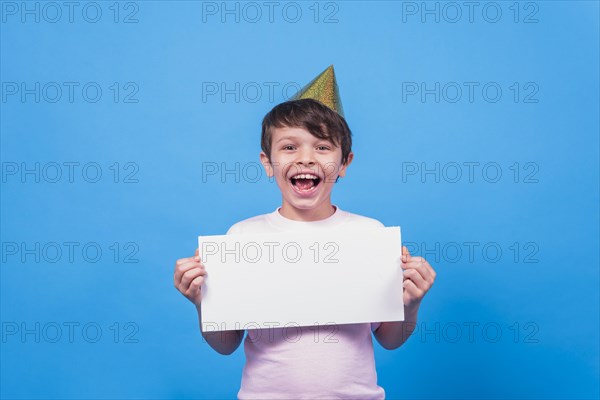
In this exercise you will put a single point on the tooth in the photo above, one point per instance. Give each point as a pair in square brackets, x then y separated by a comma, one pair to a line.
[305, 176]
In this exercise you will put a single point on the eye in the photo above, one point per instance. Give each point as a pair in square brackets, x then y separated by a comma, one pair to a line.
[323, 147]
[288, 147]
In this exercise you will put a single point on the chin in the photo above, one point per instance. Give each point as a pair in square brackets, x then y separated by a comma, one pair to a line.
[306, 204]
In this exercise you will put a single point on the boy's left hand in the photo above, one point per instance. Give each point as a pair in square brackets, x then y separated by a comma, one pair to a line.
[418, 279]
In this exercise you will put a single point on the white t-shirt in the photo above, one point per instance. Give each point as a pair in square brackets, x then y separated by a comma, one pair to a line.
[328, 362]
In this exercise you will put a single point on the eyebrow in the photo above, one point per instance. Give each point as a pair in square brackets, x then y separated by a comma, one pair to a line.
[295, 137]
[286, 138]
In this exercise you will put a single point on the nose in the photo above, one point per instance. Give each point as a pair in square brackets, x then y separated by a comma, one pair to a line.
[306, 157]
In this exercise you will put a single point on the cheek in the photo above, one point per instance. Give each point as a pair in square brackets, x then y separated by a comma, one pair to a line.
[279, 174]
[331, 168]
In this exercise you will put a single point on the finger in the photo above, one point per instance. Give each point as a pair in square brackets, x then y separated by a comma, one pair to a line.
[187, 259]
[197, 253]
[405, 254]
[190, 275]
[415, 276]
[421, 271]
[412, 290]
[195, 286]
[418, 259]
[422, 266]
[432, 272]
[183, 268]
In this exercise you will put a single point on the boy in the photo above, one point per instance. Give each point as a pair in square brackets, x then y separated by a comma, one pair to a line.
[306, 145]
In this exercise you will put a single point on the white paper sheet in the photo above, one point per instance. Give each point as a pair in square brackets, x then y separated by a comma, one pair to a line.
[259, 281]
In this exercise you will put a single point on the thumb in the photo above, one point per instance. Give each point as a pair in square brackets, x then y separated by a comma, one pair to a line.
[405, 254]
[197, 251]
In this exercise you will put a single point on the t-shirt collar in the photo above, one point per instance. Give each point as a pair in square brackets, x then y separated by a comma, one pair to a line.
[275, 218]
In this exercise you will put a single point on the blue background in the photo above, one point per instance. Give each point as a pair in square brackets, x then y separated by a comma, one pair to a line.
[169, 54]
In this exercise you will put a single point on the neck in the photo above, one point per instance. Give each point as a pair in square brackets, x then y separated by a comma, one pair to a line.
[315, 214]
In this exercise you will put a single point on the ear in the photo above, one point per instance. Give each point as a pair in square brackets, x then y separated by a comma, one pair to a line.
[264, 160]
[342, 172]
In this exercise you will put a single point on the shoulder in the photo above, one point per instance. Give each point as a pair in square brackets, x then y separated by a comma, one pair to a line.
[362, 221]
[253, 224]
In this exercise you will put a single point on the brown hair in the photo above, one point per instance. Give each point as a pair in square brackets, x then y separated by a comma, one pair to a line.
[312, 115]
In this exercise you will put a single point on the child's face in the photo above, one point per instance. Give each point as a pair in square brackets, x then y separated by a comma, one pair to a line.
[296, 151]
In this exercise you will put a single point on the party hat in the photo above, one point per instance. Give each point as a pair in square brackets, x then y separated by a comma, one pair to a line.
[323, 88]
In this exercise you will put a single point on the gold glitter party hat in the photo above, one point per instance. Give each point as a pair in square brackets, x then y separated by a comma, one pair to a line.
[323, 88]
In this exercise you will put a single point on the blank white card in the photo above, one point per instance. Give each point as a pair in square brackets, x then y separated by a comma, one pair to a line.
[259, 281]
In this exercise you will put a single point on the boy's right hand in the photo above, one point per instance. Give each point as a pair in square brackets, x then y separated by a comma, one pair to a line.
[189, 276]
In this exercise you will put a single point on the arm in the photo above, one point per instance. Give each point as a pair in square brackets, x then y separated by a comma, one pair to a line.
[418, 279]
[189, 276]
[224, 342]
[392, 335]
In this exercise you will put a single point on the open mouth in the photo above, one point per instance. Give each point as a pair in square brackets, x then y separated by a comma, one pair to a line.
[305, 182]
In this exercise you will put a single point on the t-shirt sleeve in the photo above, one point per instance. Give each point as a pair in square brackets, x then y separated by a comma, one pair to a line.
[374, 326]
[235, 228]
